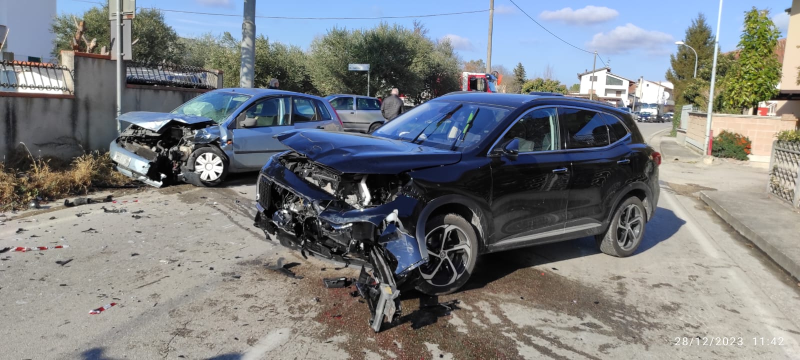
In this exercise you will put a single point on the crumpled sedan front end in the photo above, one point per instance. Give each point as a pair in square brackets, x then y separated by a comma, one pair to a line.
[345, 217]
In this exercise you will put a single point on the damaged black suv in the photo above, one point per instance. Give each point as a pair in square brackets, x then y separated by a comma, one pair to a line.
[461, 175]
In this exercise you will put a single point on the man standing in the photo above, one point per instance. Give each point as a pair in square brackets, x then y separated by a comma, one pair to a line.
[392, 106]
[273, 84]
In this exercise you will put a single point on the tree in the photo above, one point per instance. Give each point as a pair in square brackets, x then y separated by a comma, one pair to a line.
[756, 74]
[156, 42]
[477, 66]
[575, 88]
[544, 85]
[519, 74]
[699, 37]
[696, 91]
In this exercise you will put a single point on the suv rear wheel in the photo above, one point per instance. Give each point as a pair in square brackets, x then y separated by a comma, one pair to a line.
[626, 231]
[452, 251]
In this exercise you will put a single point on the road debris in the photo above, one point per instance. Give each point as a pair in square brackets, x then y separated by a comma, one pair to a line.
[77, 202]
[21, 230]
[52, 218]
[63, 262]
[114, 211]
[25, 249]
[335, 283]
[284, 269]
[81, 214]
[134, 254]
[34, 204]
[90, 231]
[101, 309]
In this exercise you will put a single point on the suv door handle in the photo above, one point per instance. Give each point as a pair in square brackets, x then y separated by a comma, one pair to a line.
[559, 171]
[624, 161]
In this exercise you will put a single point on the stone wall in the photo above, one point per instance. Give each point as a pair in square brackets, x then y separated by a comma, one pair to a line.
[760, 129]
[70, 124]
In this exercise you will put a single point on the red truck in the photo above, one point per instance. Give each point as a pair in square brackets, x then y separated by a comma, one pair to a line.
[481, 82]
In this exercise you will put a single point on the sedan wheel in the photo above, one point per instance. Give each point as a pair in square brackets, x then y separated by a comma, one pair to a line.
[626, 231]
[210, 167]
[452, 251]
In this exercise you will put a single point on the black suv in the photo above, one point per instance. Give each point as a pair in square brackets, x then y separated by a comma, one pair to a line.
[461, 175]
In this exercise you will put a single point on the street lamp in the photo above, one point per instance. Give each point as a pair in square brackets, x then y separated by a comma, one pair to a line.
[695, 55]
[713, 80]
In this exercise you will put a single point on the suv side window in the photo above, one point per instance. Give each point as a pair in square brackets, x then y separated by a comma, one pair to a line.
[616, 130]
[537, 130]
[367, 104]
[265, 113]
[343, 103]
[585, 128]
[303, 110]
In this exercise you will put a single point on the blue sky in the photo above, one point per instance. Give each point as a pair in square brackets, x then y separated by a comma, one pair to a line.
[636, 36]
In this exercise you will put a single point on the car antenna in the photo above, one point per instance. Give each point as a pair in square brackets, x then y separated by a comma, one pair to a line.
[439, 123]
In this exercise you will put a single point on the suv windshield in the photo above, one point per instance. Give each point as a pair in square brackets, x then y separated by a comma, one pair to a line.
[444, 124]
[216, 105]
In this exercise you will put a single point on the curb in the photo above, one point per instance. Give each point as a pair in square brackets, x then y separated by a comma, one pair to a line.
[657, 133]
[791, 266]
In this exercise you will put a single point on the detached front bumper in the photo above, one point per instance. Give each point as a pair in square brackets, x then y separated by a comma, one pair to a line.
[132, 165]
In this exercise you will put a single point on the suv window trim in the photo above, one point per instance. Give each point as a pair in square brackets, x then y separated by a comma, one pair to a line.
[560, 138]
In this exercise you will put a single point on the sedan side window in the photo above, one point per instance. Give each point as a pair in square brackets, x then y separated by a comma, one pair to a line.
[343, 103]
[303, 110]
[535, 131]
[367, 104]
[265, 113]
[585, 128]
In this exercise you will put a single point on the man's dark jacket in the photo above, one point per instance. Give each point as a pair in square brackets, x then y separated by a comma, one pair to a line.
[391, 107]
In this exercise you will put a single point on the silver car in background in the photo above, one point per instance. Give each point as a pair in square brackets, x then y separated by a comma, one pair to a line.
[358, 113]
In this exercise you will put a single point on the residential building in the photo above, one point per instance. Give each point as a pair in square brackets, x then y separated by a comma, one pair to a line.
[654, 92]
[788, 100]
[29, 36]
[605, 86]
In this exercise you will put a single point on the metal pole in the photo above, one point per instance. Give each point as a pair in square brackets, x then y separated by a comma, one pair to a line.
[118, 50]
[368, 71]
[695, 63]
[489, 49]
[713, 78]
[592, 77]
[247, 70]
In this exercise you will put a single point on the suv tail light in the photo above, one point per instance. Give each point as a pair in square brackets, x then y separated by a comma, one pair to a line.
[656, 156]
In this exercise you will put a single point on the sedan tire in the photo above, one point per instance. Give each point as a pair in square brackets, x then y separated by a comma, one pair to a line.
[626, 231]
[373, 127]
[210, 167]
[452, 251]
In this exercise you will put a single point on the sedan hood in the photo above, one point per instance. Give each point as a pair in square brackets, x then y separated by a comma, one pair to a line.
[365, 154]
[156, 121]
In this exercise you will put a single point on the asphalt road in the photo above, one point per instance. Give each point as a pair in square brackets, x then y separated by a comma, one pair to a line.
[186, 269]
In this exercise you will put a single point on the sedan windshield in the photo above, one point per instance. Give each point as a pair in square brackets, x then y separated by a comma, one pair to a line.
[445, 124]
[215, 105]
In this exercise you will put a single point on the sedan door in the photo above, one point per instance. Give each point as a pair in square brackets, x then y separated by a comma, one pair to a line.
[368, 112]
[529, 190]
[255, 128]
[345, 107]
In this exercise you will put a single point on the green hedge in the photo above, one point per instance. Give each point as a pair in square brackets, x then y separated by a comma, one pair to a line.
[731, 145]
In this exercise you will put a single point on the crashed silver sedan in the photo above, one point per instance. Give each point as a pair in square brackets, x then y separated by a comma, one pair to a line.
[220, 132]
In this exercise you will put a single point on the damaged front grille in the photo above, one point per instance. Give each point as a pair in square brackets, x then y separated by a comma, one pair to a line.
[264, 191]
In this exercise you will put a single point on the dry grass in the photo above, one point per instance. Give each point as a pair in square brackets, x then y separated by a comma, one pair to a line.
[24, 178]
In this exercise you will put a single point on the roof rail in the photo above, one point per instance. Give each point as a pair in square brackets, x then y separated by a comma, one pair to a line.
[544, 93]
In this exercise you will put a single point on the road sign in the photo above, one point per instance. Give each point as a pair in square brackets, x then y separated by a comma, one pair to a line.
[128, 9]
[127, 52]
[358, 67]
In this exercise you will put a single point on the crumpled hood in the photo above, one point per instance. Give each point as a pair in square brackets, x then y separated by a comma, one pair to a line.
[365, 154]
[157, 120]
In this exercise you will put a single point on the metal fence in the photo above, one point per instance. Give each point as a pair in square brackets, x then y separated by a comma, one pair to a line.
[32, 77]
[171, 75]
[784, 172]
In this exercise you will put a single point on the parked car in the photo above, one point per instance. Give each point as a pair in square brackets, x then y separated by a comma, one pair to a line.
[459, 176]
[358, 113]
[645, 117]
[219, 132]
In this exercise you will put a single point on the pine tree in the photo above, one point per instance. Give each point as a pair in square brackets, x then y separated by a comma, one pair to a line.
[519, 74]
[699, 37]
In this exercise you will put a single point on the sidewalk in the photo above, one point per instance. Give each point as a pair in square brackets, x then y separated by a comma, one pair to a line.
[737, 193]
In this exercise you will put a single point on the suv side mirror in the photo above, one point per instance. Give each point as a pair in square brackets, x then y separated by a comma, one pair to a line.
[512, 149]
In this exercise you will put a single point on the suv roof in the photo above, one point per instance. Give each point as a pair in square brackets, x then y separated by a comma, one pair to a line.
[516, 100]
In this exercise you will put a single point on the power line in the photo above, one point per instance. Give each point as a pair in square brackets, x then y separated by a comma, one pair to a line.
[554, 35]
[304, 18]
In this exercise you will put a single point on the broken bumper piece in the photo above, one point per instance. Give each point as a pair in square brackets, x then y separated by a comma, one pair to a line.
[132, 165]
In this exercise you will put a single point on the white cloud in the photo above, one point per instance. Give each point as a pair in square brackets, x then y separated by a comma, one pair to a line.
[781, 20]
[629, 37]
[586, 16]
[504, 10]
[459, 43]
[216, 3]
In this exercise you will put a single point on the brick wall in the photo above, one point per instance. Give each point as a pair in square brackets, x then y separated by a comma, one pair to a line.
[760, 129]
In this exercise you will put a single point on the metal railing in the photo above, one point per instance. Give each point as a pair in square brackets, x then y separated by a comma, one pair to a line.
[171, 76]
[32, 77]
[784, 172]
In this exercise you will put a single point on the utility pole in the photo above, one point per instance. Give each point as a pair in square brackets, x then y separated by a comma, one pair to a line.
[118, 48]
[247, 71]
[593, 76]
[489, 49]
[713, 79]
